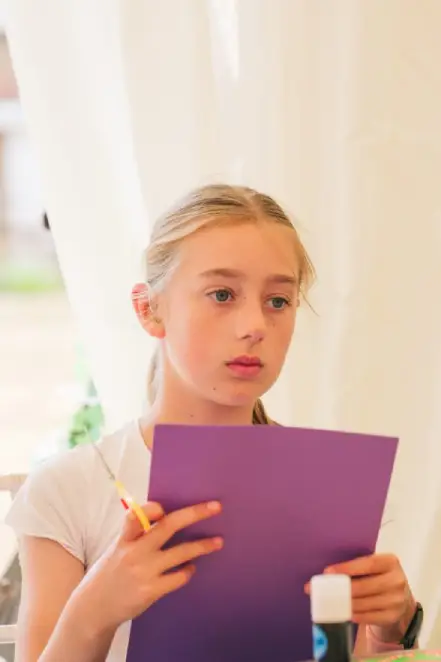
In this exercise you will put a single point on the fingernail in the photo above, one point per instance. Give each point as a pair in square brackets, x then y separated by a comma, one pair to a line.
[218, 543]
[215, 506]
[328, 571]
[306, 588]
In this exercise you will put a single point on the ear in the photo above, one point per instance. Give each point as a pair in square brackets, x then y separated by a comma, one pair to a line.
[142, 304]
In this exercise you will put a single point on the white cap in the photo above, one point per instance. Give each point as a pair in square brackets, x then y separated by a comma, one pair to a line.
[331, 600]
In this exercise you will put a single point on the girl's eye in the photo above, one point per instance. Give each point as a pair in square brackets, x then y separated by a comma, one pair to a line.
[221, 296]
[278, 303]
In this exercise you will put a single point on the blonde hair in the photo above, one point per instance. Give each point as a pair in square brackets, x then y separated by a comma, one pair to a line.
[209, 206]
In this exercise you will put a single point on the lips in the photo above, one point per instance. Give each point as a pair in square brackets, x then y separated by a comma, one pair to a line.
[245, 367]
[248, 361]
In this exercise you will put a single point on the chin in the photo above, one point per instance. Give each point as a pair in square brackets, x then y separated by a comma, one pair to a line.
[241, 398]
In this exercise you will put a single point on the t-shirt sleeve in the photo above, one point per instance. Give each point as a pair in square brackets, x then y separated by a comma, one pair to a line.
[51, 504]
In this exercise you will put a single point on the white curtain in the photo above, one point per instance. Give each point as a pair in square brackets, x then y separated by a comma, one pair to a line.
[335, 108]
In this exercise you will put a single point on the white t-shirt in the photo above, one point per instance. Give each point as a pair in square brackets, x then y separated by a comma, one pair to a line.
[70, 499]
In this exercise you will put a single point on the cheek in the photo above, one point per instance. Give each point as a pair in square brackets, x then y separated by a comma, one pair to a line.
[282, 334]
[191, 332]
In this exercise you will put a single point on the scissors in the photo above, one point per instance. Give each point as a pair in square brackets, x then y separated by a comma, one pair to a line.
[126, 499]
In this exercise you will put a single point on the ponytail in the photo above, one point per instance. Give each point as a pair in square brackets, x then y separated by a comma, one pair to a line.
[153, 377]
[260, 417]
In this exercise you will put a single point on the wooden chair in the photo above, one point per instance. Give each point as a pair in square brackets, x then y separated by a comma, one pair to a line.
[9, 483]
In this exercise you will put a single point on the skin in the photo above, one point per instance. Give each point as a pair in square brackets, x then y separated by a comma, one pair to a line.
[237, 286]
[245, 301]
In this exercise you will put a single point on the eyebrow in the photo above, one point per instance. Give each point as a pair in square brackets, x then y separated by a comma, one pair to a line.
[234, 274]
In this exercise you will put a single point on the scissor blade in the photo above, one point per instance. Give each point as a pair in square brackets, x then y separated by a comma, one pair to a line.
[104, 463]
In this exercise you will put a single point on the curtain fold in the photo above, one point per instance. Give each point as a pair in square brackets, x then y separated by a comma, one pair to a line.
[69, 67]
[332, 107]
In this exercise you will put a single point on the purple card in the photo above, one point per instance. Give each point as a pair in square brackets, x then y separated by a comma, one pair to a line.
[294, 501]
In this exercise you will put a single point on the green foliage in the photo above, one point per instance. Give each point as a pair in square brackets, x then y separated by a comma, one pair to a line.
[19, 279]
[87, 421]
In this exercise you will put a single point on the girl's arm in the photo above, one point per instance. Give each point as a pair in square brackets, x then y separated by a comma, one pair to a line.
[46, 633]
[68, 615]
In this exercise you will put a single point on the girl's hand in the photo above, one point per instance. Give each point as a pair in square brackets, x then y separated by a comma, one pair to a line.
[136, 572]
[381, 597]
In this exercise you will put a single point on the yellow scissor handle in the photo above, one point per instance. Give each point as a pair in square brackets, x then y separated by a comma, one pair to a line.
[134, 507]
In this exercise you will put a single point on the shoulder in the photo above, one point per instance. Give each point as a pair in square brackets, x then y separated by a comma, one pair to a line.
[66, 495]
[76, 468]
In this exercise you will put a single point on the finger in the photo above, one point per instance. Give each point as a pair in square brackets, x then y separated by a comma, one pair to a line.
[181, 519]
[172, 581]
[376, 564]
[377, 584]
[132, 526]
[372, 585]
[181, 554]
[382, 617]
[390, 601]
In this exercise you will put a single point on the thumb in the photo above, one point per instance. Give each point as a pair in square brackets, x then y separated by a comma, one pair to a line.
[132, 529]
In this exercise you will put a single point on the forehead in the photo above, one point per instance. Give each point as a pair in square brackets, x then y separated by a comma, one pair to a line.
[265, 246]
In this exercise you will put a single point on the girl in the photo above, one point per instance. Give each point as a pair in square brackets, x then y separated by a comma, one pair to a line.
[225, 272]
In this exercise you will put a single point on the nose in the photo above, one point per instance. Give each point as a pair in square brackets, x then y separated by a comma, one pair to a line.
[251, 322]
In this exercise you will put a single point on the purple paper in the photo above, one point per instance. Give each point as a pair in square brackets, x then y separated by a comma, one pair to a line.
[294, 501]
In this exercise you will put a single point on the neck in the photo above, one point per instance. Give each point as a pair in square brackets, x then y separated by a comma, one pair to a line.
[188, 410]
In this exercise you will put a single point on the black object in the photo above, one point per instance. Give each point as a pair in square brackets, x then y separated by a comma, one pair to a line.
[332, 642]
[413, 631]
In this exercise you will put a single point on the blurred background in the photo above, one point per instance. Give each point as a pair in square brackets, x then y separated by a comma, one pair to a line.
[332, 107]
[47, 401]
